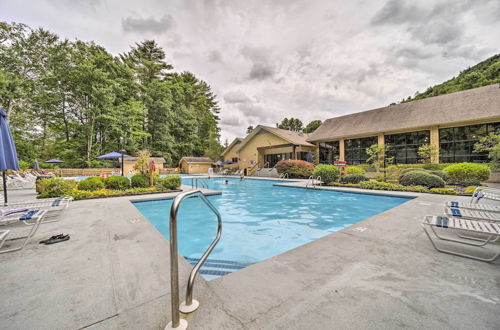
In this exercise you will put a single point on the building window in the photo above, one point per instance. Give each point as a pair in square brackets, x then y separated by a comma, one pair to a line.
[355, 149]
[235, 159]
[329, 152]
[404, 147]
[456, 144]
[273, 159]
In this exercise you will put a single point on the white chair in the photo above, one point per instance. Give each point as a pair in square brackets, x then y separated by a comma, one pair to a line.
[35, 217]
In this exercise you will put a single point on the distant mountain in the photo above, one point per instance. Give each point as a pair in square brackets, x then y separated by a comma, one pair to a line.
[484, 73]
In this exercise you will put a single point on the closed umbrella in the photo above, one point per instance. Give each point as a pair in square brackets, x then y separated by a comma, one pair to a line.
[217, 163]
[36, 167]
[8, 153]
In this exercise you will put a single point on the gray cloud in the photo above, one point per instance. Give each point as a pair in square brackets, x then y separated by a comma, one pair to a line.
[150, 24]
[261, 71]
[397, 12]
[236, 97]
[215, 56]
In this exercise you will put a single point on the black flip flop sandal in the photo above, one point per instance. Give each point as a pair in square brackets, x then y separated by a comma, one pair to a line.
[57, 240]
[53, 237]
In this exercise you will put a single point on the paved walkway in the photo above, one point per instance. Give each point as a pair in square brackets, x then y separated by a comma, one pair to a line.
[381, 273]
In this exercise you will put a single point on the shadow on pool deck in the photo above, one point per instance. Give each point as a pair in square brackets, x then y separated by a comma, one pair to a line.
[113, 274]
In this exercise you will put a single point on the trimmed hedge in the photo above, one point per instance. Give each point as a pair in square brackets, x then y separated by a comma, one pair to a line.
[466, 174]
[91, 184]
[328, 173]
[55, 187]
[442, 174]
[295, 168]
[419, 178]
[117, 183]
[353, 178]
[443, 191]
[355, 170]
[140, 181]
[408, 170]
[169, 182]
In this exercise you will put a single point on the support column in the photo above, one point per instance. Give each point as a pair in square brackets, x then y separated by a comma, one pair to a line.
[381, 139]
[341, 150]
[435, 143]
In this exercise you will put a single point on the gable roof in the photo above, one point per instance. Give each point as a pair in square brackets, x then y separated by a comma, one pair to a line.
[235, 142]
[297, 138]
[473, 104]
[196, 159]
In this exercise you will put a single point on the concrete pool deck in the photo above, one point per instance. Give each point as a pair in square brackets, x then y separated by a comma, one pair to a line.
[381, 273]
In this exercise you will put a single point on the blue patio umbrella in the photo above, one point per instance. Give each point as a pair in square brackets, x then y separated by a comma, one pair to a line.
[227, 162]
[309, 157]
[8, 153]
[218, 163]
[114, 155]
[54, 161]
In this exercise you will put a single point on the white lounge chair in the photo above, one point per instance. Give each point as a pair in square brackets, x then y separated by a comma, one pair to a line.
[472, 214]
[35, 217]
[473, 206]
[490, 233]
[485, 193]
[53, 206]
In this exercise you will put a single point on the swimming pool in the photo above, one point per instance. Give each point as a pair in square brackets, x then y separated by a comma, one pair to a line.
[259, 220]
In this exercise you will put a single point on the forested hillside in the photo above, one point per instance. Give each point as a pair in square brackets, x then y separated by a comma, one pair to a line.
[485, 73]
[73, 100]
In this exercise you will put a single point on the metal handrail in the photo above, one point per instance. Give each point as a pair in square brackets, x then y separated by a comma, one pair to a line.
[190, 305]
[318, 178]
[310, 179]
[283, 176]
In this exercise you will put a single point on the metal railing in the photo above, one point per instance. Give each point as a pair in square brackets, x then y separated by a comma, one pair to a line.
[190, 305]
[311, 181]
[201, 182]
[283, 176]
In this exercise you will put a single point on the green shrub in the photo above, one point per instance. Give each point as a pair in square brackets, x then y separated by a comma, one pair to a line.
[419, 178]
[375, 185]
[408, 170]
[91, 184]
[24, 165]
[117, 182]
[54, 187]
[466, 174]
[443, 191]
[169, 182]
[353, 178]
[433, 167]
[140, 181]
[295, 168]
[469, 190]
[328, 173]
[355, 170]
[442, 174]
[419, 189]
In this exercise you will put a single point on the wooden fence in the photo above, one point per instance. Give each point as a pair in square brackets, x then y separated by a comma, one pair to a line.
[99, 171]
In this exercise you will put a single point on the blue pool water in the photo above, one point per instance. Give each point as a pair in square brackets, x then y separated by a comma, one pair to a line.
[260, 220]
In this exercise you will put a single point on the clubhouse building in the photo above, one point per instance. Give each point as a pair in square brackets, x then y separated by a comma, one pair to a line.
[452, 123]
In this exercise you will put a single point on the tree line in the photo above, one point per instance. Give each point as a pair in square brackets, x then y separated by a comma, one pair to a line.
[73, 100]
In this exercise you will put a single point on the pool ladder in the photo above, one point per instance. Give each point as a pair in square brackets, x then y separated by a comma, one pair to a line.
[202, 182]
[190, 305]
[311, 181]
[283, 176]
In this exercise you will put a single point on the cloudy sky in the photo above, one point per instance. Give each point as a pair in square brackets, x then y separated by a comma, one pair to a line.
[311, 59]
